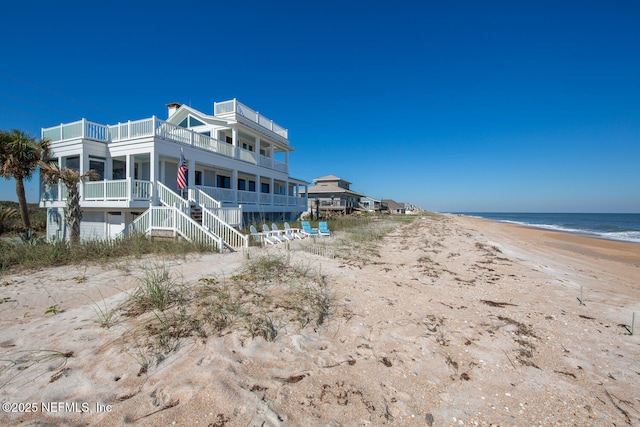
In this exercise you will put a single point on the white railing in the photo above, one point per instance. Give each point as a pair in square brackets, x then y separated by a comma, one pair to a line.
[203, 199]
[220, 194]
[142, 190]
[120, 189]
[247, 156]
[156, 127]
[280, 199]
[80, 129]
[220, 227]
[231, 216]
[167, 197]
[141, 224]
[233, 106]
[194, 232]
[102, 190]
[250, 197]
[265, 198]
[172, 219]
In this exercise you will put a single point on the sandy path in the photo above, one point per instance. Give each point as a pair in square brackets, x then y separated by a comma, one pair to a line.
[459, 321]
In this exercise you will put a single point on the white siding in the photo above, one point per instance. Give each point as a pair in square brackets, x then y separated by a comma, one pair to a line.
[92, 225]
[55, 224]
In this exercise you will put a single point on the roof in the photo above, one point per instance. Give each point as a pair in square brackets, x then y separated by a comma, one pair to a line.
[330, 188]
[392, 204]
[331, 178]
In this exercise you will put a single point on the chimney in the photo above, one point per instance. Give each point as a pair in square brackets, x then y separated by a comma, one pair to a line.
[173, 107]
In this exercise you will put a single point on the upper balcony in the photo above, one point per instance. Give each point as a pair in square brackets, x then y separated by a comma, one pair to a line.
[84, 129]
[235, 109]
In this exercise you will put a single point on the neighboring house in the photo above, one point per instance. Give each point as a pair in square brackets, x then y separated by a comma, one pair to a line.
[393, 207]
[237, 165]
[331, 195]
[412, 209]
[369, 204]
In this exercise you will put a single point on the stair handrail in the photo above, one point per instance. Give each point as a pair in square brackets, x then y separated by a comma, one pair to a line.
[232, 237]
[170, 198]
[202, 233]
[142, 223]
[206, 200]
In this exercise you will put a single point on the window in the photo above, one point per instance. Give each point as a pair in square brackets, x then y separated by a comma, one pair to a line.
[190, 121]
[264, 187]
[98, 166]
[72, 163]
[242, 184]
[252, 186]
[228, 139]
[223, 181]
[119, 169]
[198, 177]
[195, 122]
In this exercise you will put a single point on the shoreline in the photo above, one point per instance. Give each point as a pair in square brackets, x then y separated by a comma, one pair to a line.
[587, 234]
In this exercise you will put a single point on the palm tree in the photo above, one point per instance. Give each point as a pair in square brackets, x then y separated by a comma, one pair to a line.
[52, 174]
[6, 215]
[19, 157]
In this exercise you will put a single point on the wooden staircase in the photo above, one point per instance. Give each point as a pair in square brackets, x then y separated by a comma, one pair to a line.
[195, 212]
[200, 218]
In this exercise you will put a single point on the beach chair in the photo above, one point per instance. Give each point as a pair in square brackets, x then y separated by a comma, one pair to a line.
[307, 230]
[293, 232]
[268, 233]
[279, 233]
[323, 229]
[261, 236]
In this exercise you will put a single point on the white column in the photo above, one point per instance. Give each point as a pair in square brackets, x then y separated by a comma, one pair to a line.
[108, 169]
[191, 175]
[234, 184]
[130, 166]
[272, 189]
[154, 174]
[258, 150]
[234, 141]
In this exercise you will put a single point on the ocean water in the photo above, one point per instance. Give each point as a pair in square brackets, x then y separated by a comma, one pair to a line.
[623, 227]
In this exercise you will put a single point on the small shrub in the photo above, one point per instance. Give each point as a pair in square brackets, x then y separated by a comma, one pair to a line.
[157, 290]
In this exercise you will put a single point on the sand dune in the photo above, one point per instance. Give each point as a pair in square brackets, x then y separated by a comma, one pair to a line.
[455, 321]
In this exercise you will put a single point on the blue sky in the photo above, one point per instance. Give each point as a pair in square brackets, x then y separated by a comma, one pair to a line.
[527, 106]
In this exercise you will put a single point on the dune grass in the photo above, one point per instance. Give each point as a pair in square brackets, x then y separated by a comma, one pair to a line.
[37, 254]
[268, 295]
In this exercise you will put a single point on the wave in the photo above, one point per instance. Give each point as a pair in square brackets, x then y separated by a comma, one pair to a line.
[624, 236]
[597, 230]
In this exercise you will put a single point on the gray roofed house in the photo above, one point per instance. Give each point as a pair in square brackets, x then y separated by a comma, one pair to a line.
[332, 194]
[393, 207]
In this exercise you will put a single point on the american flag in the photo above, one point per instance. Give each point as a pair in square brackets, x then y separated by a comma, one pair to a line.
[182, 172]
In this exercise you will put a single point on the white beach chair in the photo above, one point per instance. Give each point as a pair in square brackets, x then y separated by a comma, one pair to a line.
[279, 233]
[293, 232]
[262, 237]
[269, 234]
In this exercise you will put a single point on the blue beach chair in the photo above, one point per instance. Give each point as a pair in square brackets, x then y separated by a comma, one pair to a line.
[324, 229]
[307, 230]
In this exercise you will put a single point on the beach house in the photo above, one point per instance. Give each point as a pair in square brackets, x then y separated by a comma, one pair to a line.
[332, 195]
[196, 175]
[393, 207]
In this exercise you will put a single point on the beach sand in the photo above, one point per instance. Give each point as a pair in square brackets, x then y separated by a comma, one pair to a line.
[456, 321]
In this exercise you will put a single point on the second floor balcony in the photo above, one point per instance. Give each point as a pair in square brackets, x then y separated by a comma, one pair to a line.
[140, 193]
